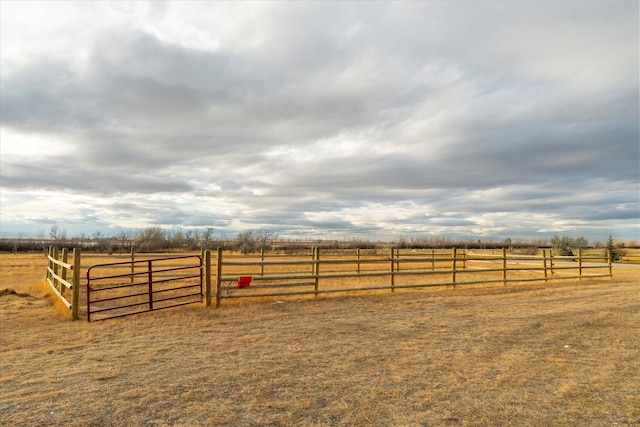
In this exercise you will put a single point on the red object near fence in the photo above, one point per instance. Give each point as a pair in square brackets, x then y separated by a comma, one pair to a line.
[244, 281]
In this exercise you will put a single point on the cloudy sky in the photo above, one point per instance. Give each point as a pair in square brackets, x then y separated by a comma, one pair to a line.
[475, 119]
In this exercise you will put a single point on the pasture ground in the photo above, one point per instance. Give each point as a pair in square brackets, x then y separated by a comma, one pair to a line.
[561, 353]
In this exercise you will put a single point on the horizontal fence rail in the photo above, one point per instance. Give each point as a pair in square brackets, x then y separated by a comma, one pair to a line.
[130, 287]
[58, 269]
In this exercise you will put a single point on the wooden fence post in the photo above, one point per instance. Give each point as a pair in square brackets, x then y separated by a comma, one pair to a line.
[49, 263]
[453, 267]
[391, 272]
[504, 266]
[65, 258]
[580, 263]
[63, 270]
[218, 275]
[207, 277]
[261, 261]
[433, 258]
[75, 298]
[609, 263]
[464, 259]
[551, 261]
[133, 267]
[150, 280]
[358, 256]
[313, 257]
[316, 269]
[544, 263]
[55, 267]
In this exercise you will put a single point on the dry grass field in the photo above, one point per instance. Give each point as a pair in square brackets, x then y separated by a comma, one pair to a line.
[560, 353]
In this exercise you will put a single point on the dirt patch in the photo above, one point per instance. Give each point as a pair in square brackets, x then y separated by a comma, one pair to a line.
[7, 292]
[13, 302]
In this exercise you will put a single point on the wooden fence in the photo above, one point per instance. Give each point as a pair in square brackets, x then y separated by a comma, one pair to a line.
[58, 269]
[401, 269]
[227, 275]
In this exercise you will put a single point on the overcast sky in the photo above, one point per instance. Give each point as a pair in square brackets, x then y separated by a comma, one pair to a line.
[475, 119]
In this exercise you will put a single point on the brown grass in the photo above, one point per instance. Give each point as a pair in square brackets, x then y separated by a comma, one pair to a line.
[562, 353]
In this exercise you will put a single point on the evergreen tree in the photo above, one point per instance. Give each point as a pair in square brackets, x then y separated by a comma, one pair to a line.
[611, 248]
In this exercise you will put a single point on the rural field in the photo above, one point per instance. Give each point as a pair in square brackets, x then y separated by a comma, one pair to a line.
[557, 353]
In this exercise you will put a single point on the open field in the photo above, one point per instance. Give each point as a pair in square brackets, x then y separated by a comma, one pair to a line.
[561, 353]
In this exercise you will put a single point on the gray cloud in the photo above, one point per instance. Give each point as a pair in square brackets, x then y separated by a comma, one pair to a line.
[382, 119]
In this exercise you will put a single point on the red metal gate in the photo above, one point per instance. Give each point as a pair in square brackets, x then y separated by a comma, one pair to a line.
[147, 285]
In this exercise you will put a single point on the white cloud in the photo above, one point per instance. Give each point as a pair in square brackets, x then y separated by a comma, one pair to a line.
[28, 147]
[321, 119]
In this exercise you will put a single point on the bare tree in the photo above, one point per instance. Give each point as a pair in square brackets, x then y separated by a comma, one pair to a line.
[207, 238]
[81, 240]
[246, 241]
[53, 232]
[151, 239]
[42, 241]
[123, 238]
[188, 239]
[265, 238]
[176, 238]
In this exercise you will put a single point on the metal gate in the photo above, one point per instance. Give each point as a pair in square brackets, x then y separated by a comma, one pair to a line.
[131, 287]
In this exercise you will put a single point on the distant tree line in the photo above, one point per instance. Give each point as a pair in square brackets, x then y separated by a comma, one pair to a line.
[157, 239]
[146, 240]
[439, 242]
[150, 239]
